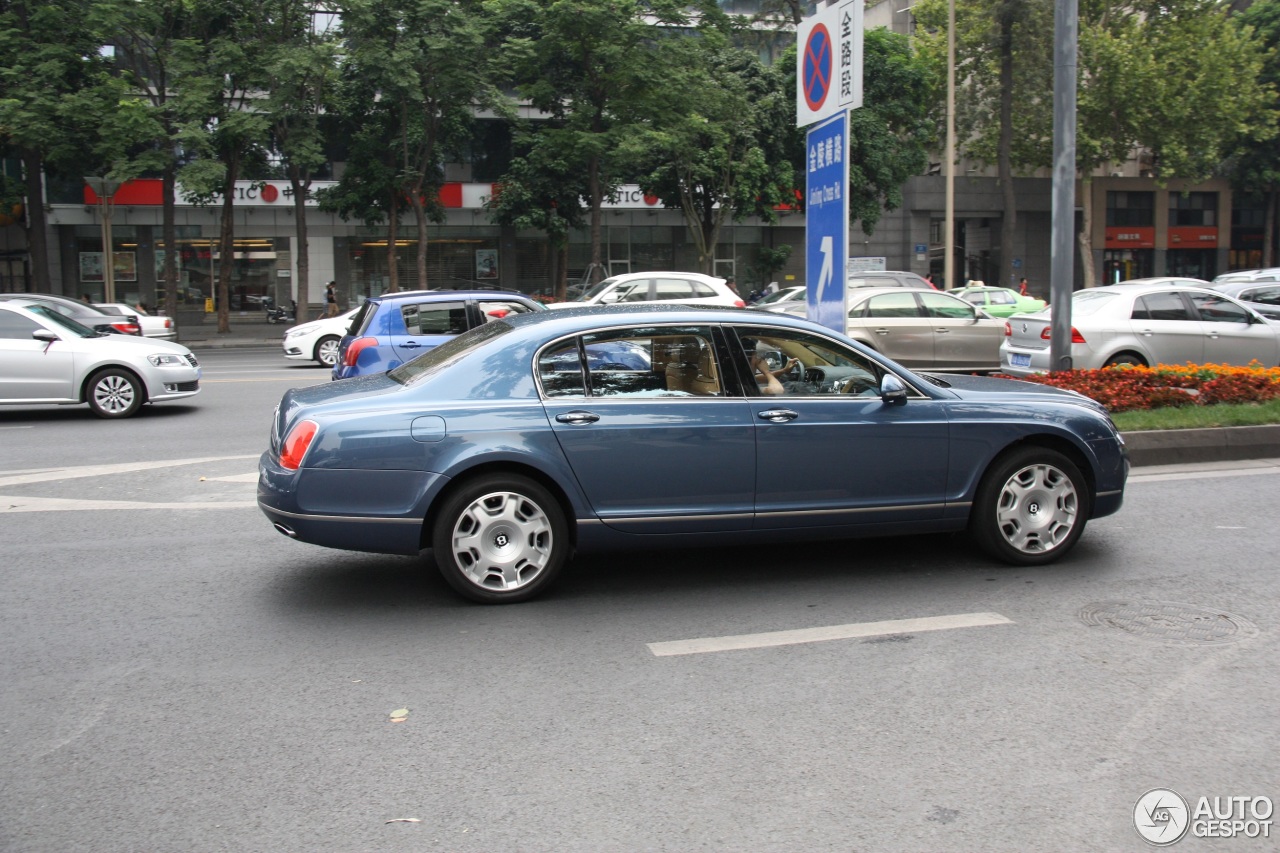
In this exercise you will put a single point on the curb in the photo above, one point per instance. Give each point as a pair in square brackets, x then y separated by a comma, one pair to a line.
[1217, 444]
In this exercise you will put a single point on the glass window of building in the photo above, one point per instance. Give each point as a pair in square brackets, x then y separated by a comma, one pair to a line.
[1131, 209]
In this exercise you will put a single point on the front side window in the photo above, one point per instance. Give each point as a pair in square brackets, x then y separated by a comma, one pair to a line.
[1265, 295]
[496, 309]
[16, 327]
[1215, 309]
[938, 305]
[790, 362]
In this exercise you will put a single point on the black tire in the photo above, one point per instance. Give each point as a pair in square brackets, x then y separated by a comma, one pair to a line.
[114, 393]
[326, 351]
[499, 539]
[1126, 358]
[1031, 507]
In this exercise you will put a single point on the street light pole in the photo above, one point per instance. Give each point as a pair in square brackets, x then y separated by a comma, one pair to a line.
[105, 190]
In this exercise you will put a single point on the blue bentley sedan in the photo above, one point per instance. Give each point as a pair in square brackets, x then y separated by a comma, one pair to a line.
[512, 445]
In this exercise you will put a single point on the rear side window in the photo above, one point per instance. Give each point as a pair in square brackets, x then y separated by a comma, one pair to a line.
[435, 318]
[673, 288]
[1160, 306]
[1265, 295]
[892, 305]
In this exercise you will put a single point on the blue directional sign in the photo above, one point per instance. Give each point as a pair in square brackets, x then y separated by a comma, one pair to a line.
[827, 220]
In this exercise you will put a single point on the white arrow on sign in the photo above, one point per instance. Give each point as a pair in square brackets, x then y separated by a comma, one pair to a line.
[827, 272]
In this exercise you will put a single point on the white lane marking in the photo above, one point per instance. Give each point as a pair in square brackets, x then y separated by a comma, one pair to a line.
[118, 468]
[21, 503]
[235, 478]
[830, 632]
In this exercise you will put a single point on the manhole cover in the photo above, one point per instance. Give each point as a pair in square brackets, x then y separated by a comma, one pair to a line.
[1167, 621]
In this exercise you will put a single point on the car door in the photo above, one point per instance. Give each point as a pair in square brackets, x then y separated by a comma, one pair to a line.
[1164, 325]
[891, 323]
[829, 450]
[418, 325]
[658, 444]
[32, 369]
[1231, 335]
[962, 339]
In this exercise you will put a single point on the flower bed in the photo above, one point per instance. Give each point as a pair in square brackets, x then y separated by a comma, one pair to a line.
[1124, 388]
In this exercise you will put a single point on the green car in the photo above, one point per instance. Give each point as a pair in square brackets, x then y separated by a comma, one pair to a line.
[999, 301]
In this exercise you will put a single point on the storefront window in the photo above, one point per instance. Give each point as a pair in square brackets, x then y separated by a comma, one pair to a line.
[457, 259]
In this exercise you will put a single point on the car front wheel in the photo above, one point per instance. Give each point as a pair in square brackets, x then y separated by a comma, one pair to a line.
[500, 539]
[114, 393]
[327, 350]
[1031, 507]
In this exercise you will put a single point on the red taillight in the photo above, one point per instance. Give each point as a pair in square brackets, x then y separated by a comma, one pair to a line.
[296, 444]
[127, 328]
[353, 350]
[168, 324]
[1076, 337]
[739, 304]
[1008, 330]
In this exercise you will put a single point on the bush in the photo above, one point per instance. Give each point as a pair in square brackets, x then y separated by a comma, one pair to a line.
[1126, 388]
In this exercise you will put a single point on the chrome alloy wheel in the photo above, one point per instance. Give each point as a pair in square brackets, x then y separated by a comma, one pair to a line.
[502, 541]
[1037, 509]
[114, 394]
[327, 351]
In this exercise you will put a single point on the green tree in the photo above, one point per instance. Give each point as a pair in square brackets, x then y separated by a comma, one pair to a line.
[592, 67]
[50, 72]
[414, 72]
[219, 86]
[707, 153]
[1255, 169]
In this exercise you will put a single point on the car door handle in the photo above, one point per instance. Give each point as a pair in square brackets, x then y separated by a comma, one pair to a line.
[942, 331]
[577, 418]
[882, 331]
[411, 345]
[777, 416]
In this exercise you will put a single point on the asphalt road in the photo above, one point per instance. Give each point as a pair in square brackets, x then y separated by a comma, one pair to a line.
[177, 676]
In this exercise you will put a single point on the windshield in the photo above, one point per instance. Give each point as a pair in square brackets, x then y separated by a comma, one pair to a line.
[1089, 301]
[438, 358]
[594, 291]
[73, 326]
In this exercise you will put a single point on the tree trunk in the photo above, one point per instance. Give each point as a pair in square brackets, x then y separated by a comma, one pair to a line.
[169, 235]
[301, 184]
[1085, 237]
[420, 211]
[1269, 231]
[37, 223]
[227, 247]
[1004, 157]
[393, 219]
[596, 272]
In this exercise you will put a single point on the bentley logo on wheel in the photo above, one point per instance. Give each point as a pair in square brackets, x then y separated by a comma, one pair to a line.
[500, 540]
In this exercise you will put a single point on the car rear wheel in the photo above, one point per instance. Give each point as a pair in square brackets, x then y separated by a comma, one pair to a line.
[114, 393]
[1126, 359]
[1031, 507]
[500, 539]
[327, 350]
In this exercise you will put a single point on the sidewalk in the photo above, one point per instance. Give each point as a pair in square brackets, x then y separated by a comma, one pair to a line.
[248, 329]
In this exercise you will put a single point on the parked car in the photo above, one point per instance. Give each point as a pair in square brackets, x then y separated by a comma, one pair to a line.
[503, 451]
[1168, 280]
[921, 329]
[685, 288]
[393, 328]
[1258, 295]
[48, 357]
[153, 325]
[773, 301]
[1145, 324]
[888, 278]
[1248, 276]
[318, 340]
[999, 301]
[83, 313]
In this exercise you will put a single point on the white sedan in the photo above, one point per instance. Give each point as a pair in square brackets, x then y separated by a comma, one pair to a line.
[317, 340]
[679, 288]
[46, 357]
[153, 325]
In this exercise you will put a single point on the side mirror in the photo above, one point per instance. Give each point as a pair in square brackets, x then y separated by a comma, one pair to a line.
[45, 335]
[892, 391]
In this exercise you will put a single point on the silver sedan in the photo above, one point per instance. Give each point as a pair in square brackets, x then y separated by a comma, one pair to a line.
[1145, 324]
[921, 329]
[46, 357]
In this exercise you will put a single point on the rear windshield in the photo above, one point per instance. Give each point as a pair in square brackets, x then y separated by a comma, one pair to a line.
[1085, 302]
[434, 360]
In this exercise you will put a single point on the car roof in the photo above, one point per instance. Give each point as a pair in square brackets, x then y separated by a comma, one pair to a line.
[631, 313]
[627, 276]
[1139, 286]
[447, 295]
[83, 307]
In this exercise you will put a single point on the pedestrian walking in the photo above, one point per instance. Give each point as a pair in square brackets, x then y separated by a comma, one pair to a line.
[1022, 288]
[330, 300]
